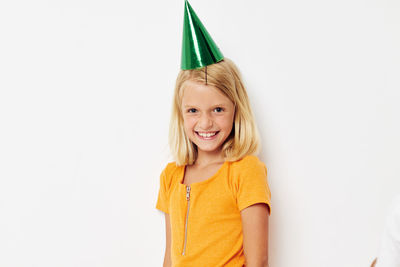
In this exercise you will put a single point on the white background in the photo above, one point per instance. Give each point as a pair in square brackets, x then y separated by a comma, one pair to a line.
[85, 98]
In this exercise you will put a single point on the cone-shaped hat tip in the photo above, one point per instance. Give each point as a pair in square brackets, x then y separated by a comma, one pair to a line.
[198, 48]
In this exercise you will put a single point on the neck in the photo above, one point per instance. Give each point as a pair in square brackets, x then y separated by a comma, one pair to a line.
[206, 158]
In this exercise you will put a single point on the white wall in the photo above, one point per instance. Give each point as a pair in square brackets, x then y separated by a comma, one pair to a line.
[85, 96]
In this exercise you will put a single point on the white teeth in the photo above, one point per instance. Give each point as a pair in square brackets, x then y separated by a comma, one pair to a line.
[207, 134]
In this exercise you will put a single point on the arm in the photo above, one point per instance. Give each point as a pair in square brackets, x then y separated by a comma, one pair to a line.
[167, 256]
[255, 234]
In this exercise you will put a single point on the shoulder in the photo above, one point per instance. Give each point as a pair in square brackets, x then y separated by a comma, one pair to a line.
[248, 168]
[249, 162]
[169, 172]
[170, 167]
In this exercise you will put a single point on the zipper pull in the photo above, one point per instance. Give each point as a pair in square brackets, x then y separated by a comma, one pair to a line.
[188, 193]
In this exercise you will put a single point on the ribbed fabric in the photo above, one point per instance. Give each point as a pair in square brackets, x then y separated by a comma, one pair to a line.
[214, 229]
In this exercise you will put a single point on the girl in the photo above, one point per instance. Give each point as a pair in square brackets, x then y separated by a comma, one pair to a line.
[215, 195]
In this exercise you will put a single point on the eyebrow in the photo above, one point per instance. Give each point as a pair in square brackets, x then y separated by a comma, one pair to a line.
[218, 105]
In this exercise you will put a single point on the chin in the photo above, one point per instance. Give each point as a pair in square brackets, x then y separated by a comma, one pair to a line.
[208, 148]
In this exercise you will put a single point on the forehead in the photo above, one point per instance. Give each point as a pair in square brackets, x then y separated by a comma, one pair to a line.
[196, 93]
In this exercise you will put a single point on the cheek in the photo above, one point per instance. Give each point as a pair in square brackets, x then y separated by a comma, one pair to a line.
[189, 123]
[226, 122]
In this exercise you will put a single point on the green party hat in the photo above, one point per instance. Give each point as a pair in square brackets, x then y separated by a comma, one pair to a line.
[198, 48]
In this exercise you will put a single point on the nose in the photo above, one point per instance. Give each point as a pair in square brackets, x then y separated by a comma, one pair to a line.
[205, 121]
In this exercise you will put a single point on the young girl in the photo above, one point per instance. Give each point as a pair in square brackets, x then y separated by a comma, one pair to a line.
[215, 195]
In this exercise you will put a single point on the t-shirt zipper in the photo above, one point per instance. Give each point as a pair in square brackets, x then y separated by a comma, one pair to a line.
[187, 216]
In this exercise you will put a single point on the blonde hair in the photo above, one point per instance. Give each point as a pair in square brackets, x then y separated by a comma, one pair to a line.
[244, 138]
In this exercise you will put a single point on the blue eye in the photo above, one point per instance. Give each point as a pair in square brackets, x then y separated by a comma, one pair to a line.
[191, 110]
[218, 109]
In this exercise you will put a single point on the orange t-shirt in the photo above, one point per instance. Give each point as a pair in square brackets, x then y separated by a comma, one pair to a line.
[206, 226]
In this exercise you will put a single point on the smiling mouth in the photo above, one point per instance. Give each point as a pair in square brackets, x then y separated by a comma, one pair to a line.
[207, 135]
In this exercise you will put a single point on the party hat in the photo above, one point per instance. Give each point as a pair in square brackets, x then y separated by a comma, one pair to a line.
[198, 48]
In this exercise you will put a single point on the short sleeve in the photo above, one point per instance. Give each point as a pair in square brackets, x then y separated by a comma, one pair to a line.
[252, 185]
[163, 193]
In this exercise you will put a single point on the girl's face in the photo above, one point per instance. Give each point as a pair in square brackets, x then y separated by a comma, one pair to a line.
[208, 116]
